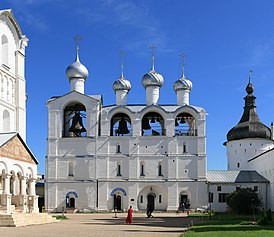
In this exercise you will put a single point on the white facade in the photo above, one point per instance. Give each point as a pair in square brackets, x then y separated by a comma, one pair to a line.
[264, 164]
[113, 165]
[12, 75]
[218, 190]
[240, 151]
[18, 166]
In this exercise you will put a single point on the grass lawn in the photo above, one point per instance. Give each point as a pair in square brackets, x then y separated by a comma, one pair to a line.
[228, 225]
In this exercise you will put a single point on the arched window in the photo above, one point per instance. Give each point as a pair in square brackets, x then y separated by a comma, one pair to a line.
[74, 120]
[5, 50]
[184, 147]
[142, 169]
[119, 169]
[118, 148]
[160, 171]
[70, 169]
[185, 125]
[120, 125]
[6, 121]
[153, 125]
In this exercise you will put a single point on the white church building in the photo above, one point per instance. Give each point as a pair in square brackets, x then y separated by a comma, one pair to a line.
[18, 166]
[105, 157]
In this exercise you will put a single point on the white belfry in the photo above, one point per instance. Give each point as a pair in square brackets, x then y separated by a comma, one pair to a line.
[152, 81]
[77, 74]
[182, 88]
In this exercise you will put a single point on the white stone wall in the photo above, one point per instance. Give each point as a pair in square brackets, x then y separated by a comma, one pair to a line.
[12, 76]
[240, 151]
[231, 187]
[265, 166]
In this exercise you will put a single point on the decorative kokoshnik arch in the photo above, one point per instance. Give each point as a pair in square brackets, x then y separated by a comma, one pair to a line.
[118, 189]
[71, 193]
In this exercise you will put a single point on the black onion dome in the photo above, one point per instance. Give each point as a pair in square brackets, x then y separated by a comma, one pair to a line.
[250, 125]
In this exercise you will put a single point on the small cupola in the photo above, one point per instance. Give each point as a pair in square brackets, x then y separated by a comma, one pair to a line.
[77, 73]
[152, 81]
[182, 87]
[121, 88]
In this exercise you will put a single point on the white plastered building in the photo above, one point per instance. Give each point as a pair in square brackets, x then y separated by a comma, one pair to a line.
[110, 157]
[105, 157]
[18, 166]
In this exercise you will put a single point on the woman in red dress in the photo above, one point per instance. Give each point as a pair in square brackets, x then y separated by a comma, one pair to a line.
[129, 215]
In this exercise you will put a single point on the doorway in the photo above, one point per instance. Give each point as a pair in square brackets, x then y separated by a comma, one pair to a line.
[184, 201]
[72, 202]
[117, 202]
[151, 201]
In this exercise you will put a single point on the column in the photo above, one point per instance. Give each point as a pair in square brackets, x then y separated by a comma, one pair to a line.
[32, 187]
[15, 185]
[23, 186]
[7, 184]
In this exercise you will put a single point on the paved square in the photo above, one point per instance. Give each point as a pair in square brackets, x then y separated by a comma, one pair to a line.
[162, 224]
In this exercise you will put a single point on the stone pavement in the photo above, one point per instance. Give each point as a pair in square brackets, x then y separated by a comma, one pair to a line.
[105, 225]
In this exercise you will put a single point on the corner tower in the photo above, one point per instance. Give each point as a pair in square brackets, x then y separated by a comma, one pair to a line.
[249, 138]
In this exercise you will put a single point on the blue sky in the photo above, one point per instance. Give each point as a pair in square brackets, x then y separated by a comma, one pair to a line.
[222, 41]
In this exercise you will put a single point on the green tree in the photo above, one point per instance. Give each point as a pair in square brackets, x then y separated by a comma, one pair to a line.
[244, 201]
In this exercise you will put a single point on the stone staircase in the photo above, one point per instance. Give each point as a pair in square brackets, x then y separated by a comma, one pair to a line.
[23, 219]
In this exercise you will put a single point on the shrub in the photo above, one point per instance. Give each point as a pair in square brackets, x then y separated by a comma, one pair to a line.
[244, 201]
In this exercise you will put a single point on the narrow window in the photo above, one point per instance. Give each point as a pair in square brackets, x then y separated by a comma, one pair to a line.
[5, 50]
[160, 170]
[219, 188]
[118, 149]
[141, 199]
[238, 165]
[119, 170]
[160, 198]
[6, 121]
[142, 170]
[184, 148]
[255, 188]
[210, 197]
[70, 172]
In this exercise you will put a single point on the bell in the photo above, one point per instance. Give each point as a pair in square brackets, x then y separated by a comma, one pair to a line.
[77, 126]
[152, 120]
[176, 123]
[122, 128]
[145, 124]
[183, 120]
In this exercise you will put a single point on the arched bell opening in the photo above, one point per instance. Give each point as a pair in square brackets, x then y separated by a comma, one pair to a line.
[185, 125]
[153, 125]
[120, 125]
[75, 120]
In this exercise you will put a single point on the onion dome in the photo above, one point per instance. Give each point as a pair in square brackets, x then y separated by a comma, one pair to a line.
[250, 125]
[182, 84]
[152, 78]
[121, 84]
[76, 69]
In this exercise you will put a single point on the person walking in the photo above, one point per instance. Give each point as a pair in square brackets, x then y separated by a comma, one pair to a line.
[129, 215]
